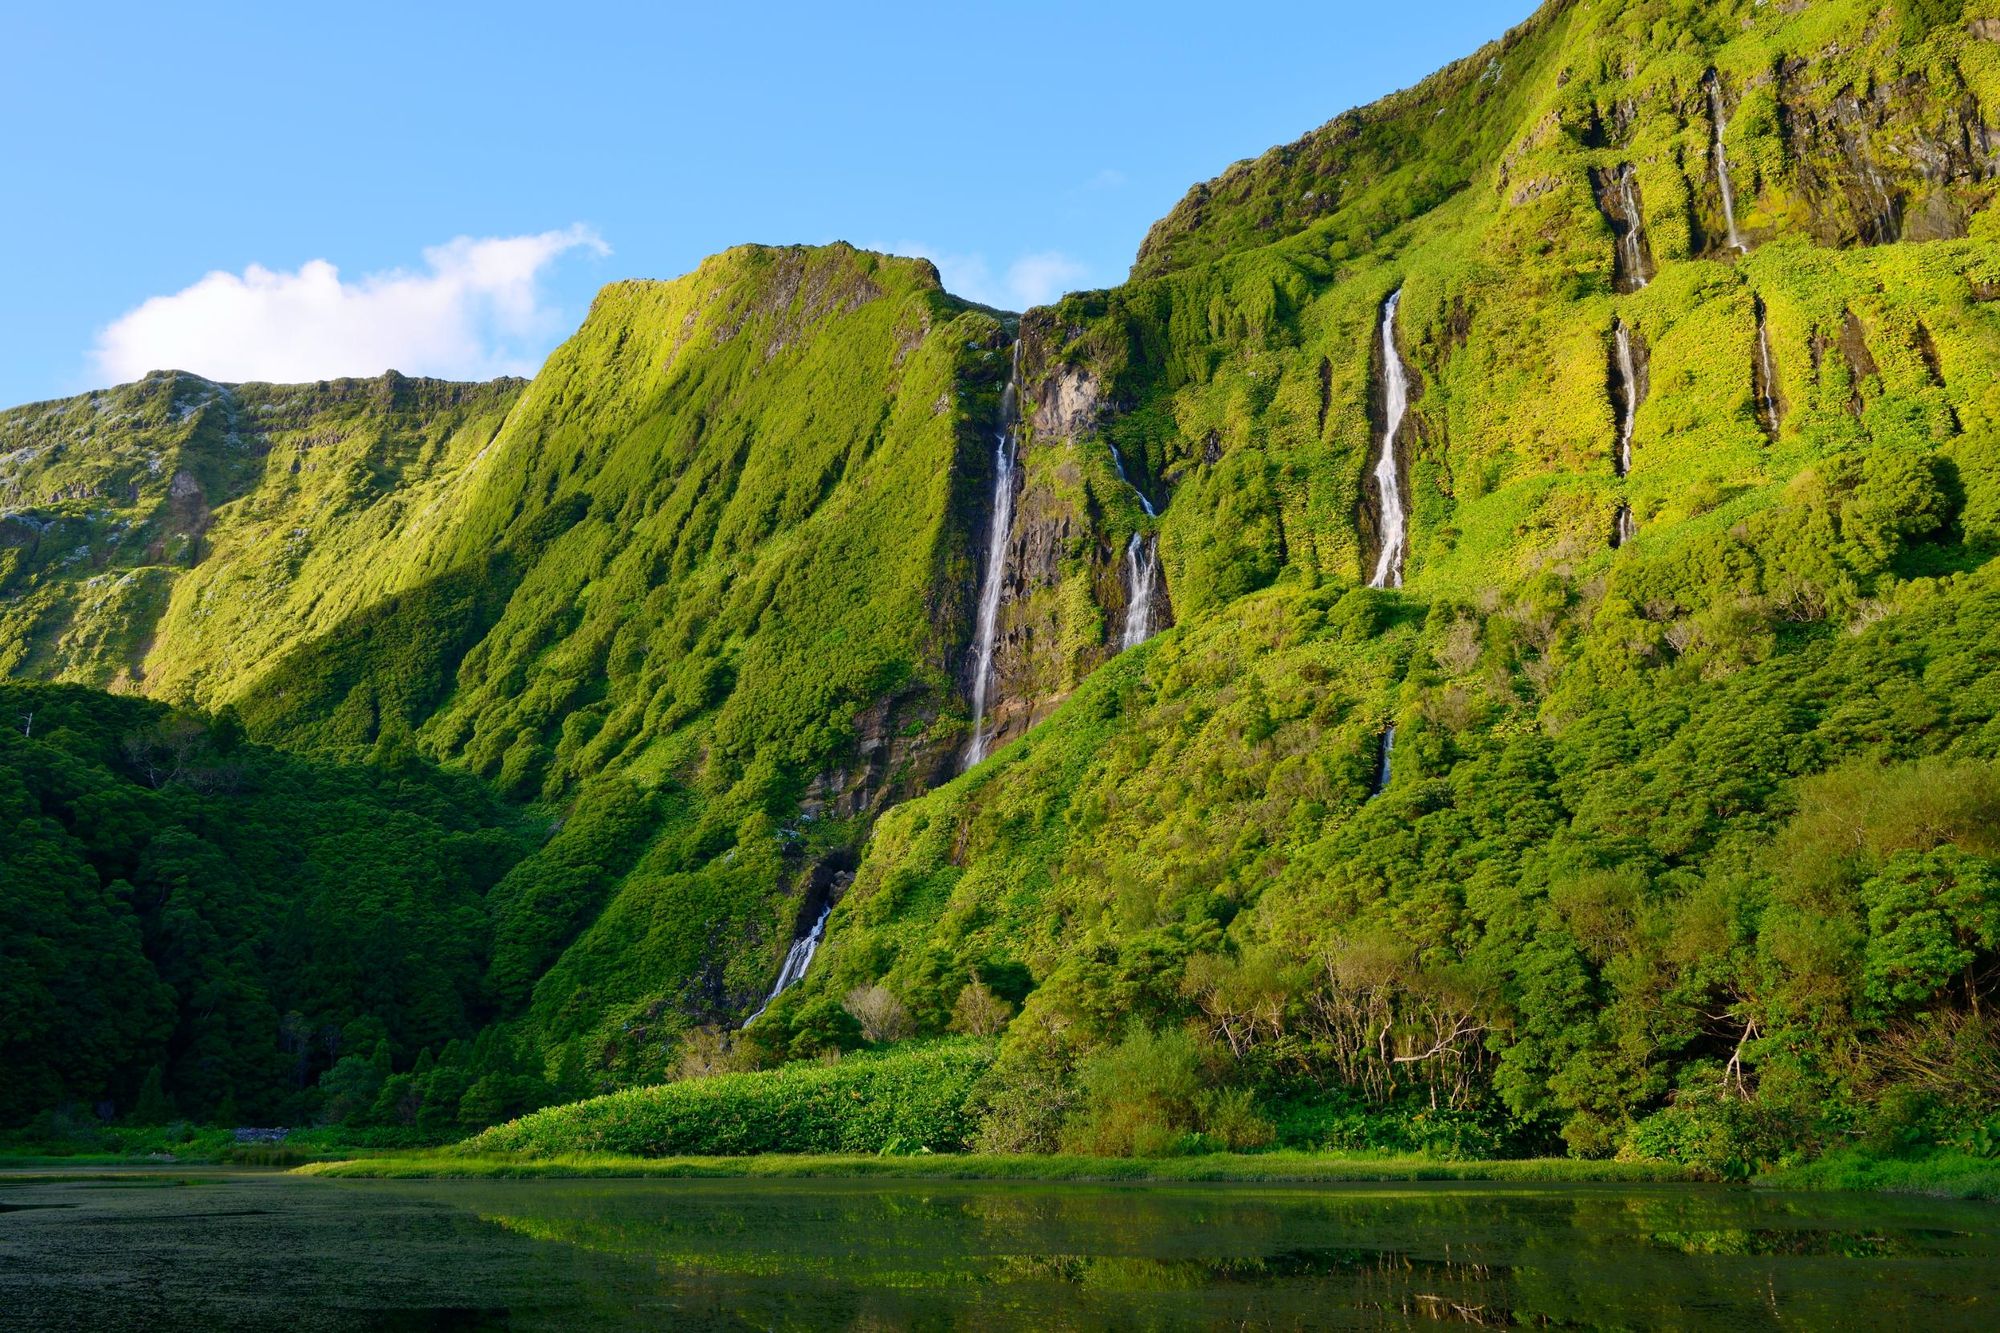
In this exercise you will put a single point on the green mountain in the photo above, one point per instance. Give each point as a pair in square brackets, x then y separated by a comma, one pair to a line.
[1645, 803]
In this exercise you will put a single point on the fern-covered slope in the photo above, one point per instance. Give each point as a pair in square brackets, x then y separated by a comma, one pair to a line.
[1685, 844]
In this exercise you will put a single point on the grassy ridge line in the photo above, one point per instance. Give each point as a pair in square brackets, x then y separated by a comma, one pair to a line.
[1262, 1167]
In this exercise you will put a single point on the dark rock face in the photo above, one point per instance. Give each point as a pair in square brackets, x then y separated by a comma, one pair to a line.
[1617, 194]
[1912, 160]
[1064, 598]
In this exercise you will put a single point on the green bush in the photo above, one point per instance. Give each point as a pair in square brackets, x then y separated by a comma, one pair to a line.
[905, 1099]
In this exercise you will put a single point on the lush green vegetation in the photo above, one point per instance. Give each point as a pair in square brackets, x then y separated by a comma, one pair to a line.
[196, 927]
[905, 1101]
[1272, 1167]
[1944, 1172]
[1688, 851]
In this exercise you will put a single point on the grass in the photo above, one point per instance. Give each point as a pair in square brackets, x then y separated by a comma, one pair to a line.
[1941, 1172]
[1267, 1167]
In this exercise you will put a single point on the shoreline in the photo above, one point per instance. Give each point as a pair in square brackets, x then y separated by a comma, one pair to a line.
[1260, 1168]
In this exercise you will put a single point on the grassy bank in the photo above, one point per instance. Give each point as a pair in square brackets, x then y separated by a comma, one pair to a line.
[1260, 1167]
[1943, 1173]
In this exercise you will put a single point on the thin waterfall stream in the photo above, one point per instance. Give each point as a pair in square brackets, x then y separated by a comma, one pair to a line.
[993, 582]
[1628, 384]
[1388, 478]
[1767, 374]
[1632, 245]
[1722, 164]
[1382, 762]
[796, 962]
[1142, 568]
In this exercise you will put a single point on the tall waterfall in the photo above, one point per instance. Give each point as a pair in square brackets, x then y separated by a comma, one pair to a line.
[796, 962]
[1142, 571]
[1632, 245]
[1722, 164]
[1142, 568]
[1767, 378]
[995, 578]
[1388, 481]
[1623, 527]
[1628, 383]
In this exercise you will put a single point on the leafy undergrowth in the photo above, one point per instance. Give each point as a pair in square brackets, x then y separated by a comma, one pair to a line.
[912, 1099]
[1944, 1172]
[1273, 1166]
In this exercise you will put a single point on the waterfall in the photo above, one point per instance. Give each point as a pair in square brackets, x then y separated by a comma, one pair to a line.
[1768, 374]
[993, 583]
[1118, 463]
[1142, 568]
[1623, 527]
[1142, 571]
[796, 962]
[1632, 245]
[1722, 163]
[1628, 384]
[1396, 403]
[1382, 761]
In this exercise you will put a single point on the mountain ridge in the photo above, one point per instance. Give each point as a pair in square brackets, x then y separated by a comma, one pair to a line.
[1694, 305]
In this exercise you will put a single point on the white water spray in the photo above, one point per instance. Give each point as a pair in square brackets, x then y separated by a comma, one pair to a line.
[796, 962]
[1623, 527]
[1142, 568]
[995, 579]
[1722, 165]
[1388, 482]
[1631, 244]
[1628, 377]
[1382, 761]
[1769, 367]
[1142, 571]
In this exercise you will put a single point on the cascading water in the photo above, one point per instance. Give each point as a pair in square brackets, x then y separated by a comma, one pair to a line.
[1632, 245]
[1383, 758]
[1142, 568]
[994, 581]
[1388, 481]
[1623, 527]
[1142, 571]
[1767, 377]
[1722, 164]
[796, 962]
[1628, 390]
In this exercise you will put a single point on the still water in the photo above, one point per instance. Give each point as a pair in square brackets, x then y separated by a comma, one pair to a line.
[204, 1250]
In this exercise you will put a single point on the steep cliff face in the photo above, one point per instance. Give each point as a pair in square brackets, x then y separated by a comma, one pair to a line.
[1700, 483]
[173, 534]
[712, 568]
[1068, 584]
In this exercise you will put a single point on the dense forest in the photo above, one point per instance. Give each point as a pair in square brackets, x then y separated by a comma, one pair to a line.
[407, 756]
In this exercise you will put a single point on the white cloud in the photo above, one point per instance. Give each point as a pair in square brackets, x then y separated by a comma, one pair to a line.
[1030, 280]
[475, 311]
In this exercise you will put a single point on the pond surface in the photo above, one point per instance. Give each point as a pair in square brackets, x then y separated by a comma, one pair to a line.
[207, 1249]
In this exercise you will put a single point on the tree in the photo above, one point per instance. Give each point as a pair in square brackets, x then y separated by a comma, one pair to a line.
[979, 1012]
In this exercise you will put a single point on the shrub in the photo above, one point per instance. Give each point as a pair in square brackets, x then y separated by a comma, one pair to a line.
[916, 1097]
[881, 1015]
[979, 1012]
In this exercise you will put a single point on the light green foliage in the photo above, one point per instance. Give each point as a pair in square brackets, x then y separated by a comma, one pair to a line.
[914, 1099]
[1685, 846]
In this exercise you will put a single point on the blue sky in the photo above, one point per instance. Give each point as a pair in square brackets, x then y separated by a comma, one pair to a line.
[279, 191]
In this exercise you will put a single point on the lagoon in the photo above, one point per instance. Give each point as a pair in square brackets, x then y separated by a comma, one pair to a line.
[201, 1248]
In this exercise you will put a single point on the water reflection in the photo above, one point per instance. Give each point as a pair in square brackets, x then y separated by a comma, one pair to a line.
[257, 1250]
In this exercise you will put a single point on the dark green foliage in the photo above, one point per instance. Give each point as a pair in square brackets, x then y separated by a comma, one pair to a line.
[1686, 846]
[187, 920]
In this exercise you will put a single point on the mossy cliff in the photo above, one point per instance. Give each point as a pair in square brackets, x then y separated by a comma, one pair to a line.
[1651, 813]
